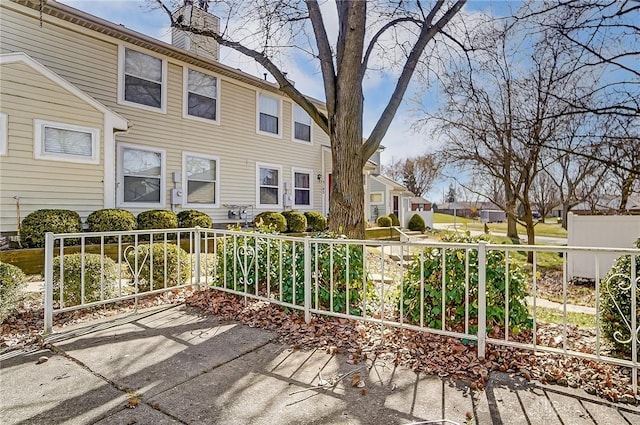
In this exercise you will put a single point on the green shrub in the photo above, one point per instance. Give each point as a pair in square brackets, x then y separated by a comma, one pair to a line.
[394, 220]
[431, 267]
[152, 267]
[383, 221]
[615, 302]
[316, 221]
[193, 218]
[100, 278]
[157, 219]
[111, 220]
[296, 221]
[416, 223]
[11, 284]
[35, 225]
[244, 261]
[271, 219]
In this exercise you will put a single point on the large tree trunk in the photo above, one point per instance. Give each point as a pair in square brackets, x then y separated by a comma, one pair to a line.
[347, 191]
[346, 207]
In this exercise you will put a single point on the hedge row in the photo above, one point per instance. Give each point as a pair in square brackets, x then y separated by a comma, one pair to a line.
[35, 225]
[38, 223]
[291, 221]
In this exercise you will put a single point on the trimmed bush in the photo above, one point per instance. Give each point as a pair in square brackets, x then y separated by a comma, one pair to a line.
[152, 266]
[296, 221]
[394, 220]
[99, 278]
[157, 219]
[271, 219]
[111, 220]
[35, 225]
[194, 218]
[416, 223]
[12, 281]
[316, 222]
[454, 291]
[383, 221]
[615, 302]
[277, 267]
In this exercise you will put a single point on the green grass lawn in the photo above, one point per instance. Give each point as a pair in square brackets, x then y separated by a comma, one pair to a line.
[551, 229]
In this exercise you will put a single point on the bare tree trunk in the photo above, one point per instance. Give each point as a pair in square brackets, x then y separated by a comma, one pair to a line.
[626, 191]
[531, 230]
[565, 214]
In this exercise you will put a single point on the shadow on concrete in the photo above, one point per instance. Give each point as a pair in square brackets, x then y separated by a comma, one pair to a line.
[195, 369]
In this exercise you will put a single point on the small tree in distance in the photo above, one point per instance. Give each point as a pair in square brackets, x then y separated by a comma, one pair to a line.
[417, 173]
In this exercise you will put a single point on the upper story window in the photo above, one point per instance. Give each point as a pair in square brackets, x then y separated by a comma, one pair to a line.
[4, 133]
[141, 179]
[201, 95]
[66, 142]
[268, 185]
[200, 179]
[301, 124]
[269, 115]
[142, 79]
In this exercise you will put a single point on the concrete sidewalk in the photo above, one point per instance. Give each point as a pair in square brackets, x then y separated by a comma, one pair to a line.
[186, 368]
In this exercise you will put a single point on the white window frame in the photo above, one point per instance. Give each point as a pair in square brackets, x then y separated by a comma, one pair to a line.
[185, 96]
[121, 81]
[280, 115]
[381, 198]
[280, 179]
[163, 178]
[185, 186]
[4, 133]
[38, 143]
[293, 126]
[295, 170]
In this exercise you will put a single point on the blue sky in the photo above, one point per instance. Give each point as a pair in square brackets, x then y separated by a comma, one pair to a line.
[401, 141]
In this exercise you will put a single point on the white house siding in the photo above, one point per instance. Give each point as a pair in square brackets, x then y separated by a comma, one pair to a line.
[27, 95]
[89, 60]
[376, 187]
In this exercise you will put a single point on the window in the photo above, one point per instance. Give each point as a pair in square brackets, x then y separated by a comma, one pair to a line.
[143, 79]
[200, 180]
[268, 185]
[201, 95]
[376, 198]
[302, 188]
[4, 133]
[269, 115]
[141, 176]
[66, 142]
[301, 124]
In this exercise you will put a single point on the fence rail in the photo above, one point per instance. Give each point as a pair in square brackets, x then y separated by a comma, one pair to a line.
[480, 292]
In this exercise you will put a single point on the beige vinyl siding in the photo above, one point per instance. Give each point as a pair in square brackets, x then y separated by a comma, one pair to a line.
[90, 61]
[26, 95]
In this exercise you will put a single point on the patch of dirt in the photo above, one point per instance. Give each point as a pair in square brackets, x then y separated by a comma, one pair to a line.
[549, 286]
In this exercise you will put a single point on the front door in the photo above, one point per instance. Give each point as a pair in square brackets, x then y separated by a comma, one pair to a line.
[396, 205]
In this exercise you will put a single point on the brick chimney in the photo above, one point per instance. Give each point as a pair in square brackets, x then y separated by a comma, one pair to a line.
[196, 15]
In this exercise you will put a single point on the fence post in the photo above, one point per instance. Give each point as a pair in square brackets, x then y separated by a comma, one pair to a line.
[482, 299]
[196, 236]
[48, 282]
[307, 279]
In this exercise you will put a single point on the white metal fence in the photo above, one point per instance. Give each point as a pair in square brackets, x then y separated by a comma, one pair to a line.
[480, 292]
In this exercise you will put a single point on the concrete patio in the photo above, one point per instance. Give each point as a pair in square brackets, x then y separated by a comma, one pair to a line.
[186, 368]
